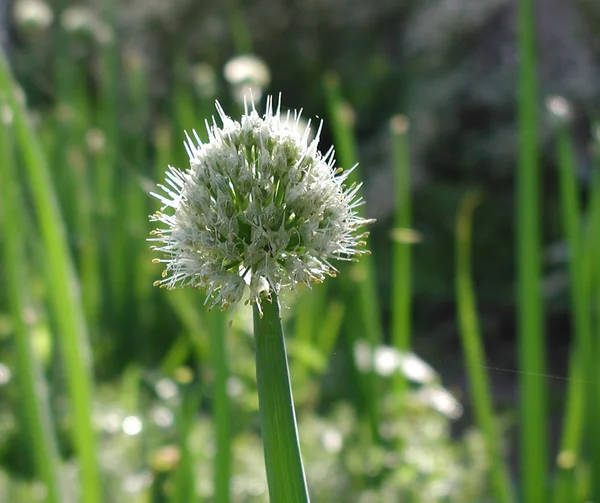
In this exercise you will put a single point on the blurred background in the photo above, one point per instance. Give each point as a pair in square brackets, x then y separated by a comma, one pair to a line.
[423, 94]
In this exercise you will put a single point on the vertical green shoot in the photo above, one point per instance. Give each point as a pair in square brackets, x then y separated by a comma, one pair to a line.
[531, 357]
[580, 361]
[592, 274]
[401, 287]
[474, 352]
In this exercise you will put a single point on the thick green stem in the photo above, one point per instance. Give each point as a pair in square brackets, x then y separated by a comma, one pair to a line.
[531, 353]
[401, 293]
[285, 473]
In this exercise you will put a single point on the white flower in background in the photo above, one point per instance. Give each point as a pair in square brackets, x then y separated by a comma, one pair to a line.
[204, 79]
[259, 209]
[387, 360]
[32, 14]
[559, 107]
[441, 400]
[248, 76]
[80, 20]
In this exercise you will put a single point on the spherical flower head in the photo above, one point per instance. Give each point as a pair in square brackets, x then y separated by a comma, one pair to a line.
[248, 76]
[259, 209]
[33, 15]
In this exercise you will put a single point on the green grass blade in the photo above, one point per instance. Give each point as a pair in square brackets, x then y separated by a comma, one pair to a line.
[33, 387]
[285, 473]
[64, 293]
[474, 352]
[591, 271]
[580, 362]
[531, 357]
[401, 288]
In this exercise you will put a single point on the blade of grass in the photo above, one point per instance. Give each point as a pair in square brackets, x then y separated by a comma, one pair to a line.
[285, 473]
[474, 352]
[64, 291]
[33, 386]
[401, 287]
[533, 394]
[580, 362]
[592, 272]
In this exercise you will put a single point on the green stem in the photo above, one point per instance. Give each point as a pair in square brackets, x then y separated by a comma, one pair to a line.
[591, 271]
[401, 320]
[574, 425]
[533, 393]
[285, 473]
[474, 352]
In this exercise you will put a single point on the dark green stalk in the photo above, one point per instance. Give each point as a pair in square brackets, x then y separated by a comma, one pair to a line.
[401, 288]
[580, 362]
[474, 352]
[285, 473]
[33, 386]
[531, 357]
[221, 409]
[63, 290]
[592, 273]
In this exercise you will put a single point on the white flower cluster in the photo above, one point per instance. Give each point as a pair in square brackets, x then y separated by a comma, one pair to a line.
[259, 209]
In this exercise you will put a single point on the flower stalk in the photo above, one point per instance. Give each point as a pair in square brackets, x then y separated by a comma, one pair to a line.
[283, 461]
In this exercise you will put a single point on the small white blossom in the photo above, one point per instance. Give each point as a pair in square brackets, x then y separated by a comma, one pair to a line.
[259, 209]
[33, 14]
[248, 76]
